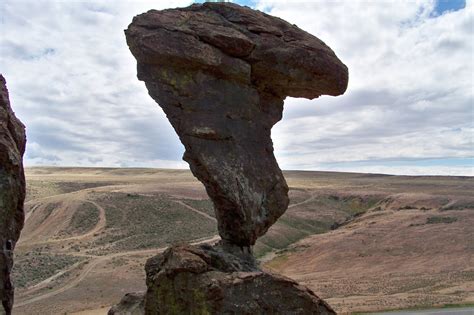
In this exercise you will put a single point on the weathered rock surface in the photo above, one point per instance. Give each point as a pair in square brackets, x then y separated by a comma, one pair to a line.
[204, 280]
[12, 191]
[131, 304]
[221, 72]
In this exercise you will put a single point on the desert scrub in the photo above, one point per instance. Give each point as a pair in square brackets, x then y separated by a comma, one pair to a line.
[352, 205]
[39, 189]
[318, 215]
[34, 267]
[48, 209]
[279, 239]
[67, 187]
[138, 222]
[43, 211]
[204, 205]
[84, 219]
[437, 219]
[118, 261]
[459, 205]
[44, 188]
[307, 225]
[298, 195]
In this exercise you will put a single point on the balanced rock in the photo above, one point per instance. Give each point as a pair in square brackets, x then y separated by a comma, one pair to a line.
[221, 72]
[204, 280]
[12, 191]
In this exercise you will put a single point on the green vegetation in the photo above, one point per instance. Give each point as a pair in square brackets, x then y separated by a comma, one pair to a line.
[139, 222]
[40, 189]
[169, 299]
[352, 205]
[278, 239]
[277, 261]
[48, 209]
[43, 188]
[317, 216]
[118, 261]
[43, 211]
[459, 205]
[204, 205]
[84, 219]
[34, 267]
[298, 195]
[419, 308]
[437, 219]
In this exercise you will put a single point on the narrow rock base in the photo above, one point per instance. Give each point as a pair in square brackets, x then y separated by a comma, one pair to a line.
[207, 280]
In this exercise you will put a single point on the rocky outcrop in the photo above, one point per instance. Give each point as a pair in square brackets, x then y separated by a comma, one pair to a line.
[221, 72]
[12, 191]
[131, 304]
[206, 280]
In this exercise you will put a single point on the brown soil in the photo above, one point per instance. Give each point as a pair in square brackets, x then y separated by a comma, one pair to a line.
[398, 241]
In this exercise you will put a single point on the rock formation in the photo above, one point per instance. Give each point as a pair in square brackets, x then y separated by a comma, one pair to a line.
[221, 72]
[12, 191]
[205, 280]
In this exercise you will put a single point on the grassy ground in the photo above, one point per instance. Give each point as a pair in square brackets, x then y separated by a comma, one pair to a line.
[138, 222]
[32, 268]
[361, 241]
[44, 188]
[320, 215]
[84, 219]
[204, 205]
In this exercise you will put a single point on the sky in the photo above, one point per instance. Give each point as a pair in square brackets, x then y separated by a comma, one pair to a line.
[408, 108]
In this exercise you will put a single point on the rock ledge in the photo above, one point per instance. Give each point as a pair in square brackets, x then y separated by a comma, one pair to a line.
[205, 280]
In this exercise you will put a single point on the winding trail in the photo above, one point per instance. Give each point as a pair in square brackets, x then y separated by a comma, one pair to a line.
[97, 228]
[96, 261]
[311, 198]
[195, 210]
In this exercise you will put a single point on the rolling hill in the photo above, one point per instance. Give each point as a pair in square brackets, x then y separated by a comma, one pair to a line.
[362, 241]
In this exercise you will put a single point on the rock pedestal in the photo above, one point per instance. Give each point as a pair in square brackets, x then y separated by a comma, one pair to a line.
[12, 191]
[221, 72]
[207, 280]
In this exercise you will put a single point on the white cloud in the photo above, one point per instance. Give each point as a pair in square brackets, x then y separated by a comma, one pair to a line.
[405, 170]
[73, 82]
[410, 86]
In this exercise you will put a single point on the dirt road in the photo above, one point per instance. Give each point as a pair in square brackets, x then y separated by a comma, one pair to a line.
[96, 261]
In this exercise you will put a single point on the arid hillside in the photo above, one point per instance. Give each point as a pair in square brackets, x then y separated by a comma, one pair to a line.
[361, 241]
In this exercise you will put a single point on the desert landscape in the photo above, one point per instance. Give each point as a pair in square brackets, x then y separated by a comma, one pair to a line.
[363, 242]
[166, 127]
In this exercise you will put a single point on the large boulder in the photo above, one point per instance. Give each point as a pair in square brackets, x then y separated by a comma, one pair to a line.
[221, 72]
[12, 191]
[207, 280]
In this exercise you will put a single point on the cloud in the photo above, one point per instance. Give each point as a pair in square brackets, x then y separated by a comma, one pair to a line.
[409, 94]
[35, 153]
[73, 82]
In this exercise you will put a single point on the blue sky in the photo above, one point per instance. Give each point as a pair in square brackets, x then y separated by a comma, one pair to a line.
[441, 6]
[249, 3]
[408, 108]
